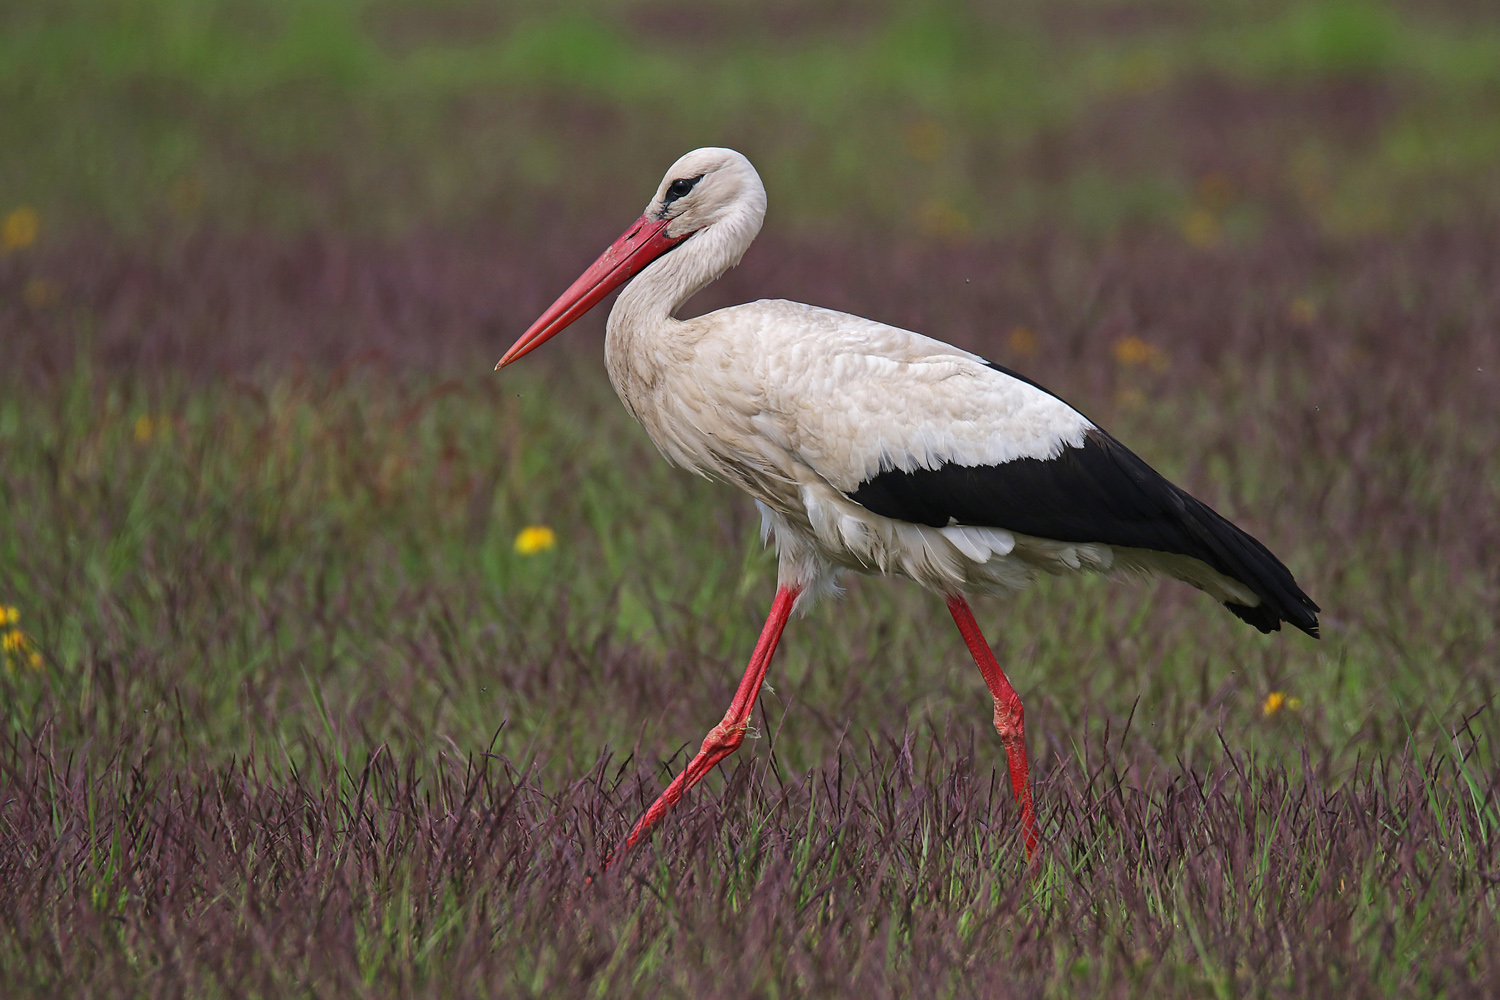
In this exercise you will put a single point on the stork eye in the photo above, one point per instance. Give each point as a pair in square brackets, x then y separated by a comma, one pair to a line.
[680, 187]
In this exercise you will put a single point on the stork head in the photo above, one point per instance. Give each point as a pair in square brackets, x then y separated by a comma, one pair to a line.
[708, 191]
[703, 188]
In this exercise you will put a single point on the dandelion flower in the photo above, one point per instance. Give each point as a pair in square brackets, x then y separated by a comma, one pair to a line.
[1201, 228]
[941, 219]
[1133, 352]
[1302, 310]
[1276, 701]
[19, 229]
[15, 645]
[536, 538]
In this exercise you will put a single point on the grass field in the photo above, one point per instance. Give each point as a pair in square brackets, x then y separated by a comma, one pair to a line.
[289, 712]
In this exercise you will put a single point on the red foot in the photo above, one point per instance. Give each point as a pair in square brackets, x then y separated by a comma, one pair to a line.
[725, 738]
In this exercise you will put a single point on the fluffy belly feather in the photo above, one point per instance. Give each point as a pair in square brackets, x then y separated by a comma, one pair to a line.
[825, 534]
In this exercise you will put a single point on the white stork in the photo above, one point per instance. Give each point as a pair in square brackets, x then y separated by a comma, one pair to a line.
[875, 449]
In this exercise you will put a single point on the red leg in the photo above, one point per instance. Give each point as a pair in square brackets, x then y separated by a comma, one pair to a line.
[1010, 718]
[725, 738]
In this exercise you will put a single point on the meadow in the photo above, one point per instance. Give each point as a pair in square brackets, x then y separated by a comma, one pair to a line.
[298, 701]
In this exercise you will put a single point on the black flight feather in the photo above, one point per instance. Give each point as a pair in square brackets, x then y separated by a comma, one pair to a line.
[1102, 493]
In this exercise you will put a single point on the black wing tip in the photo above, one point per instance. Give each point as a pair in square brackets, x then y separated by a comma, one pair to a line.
[1269, 619]
[1228, 548]
[1100, 492]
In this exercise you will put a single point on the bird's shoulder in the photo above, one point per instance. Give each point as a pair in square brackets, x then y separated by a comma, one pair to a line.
[855, 397]
[816, 335]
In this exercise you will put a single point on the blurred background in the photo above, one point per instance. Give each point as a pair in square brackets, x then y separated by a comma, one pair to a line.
[451, 151]
[947, 120]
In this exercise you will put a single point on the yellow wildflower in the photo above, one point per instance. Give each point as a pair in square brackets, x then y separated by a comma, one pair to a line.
[537, 538]
[1302, 310]
[1133, 351]
[1143, 72]
[143, 428]
[15, 645]
[19, 229]
[1022, 341]
[1201, 228]
[939, 218]
[1276, 701]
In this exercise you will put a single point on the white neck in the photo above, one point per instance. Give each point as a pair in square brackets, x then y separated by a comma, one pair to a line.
[649, 302]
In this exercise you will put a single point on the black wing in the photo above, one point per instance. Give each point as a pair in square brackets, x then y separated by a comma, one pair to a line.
[1102, 493]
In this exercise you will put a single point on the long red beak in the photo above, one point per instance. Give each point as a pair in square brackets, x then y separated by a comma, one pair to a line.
[642, 243]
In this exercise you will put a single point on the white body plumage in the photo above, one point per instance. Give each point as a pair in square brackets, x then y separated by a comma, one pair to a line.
[798, 405]
[876, 449]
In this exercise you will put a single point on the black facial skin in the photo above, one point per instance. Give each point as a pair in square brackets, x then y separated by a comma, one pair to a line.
[678, 188]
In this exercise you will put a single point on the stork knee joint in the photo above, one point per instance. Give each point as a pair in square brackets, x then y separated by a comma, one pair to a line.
[1010, 720]
[724, 736]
